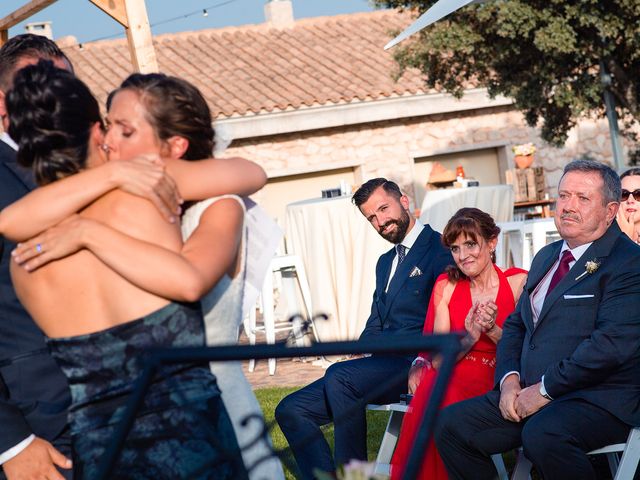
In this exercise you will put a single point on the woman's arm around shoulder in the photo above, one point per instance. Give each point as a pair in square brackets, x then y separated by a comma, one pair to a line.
[202, 179]
[49, 205]
[205, 257]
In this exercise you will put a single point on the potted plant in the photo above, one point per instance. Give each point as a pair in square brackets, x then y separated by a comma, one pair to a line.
[524, 154]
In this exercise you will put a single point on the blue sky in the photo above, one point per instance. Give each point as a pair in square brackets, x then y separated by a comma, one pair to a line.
[86, 22]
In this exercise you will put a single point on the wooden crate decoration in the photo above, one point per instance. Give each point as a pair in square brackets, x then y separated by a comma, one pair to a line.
[528, 184]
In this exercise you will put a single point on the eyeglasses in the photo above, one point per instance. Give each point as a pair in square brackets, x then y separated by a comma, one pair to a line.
[635, 194]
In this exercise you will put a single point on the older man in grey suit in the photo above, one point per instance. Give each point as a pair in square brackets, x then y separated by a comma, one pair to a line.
[567, 378]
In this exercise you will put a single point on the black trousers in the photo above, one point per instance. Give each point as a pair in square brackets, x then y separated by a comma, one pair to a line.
[335, 398]
[555, 439]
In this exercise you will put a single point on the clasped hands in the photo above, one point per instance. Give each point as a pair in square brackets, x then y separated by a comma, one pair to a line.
[517, 403]
[481, 318]
[144, 176]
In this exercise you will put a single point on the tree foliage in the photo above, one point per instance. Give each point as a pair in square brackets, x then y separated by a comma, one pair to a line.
[544, 54]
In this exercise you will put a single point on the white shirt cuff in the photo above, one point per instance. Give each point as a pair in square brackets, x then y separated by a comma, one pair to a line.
[506, 375]
[13, 451]
[543, 390]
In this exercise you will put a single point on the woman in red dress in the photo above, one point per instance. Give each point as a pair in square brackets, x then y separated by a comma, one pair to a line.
[473, 297]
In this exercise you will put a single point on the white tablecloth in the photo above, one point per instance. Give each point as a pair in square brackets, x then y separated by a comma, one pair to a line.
[339, 249]
[440, 205]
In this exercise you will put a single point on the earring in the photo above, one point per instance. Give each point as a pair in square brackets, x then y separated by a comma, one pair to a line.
[104, 147]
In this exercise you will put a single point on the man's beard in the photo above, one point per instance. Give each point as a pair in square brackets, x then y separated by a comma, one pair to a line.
[402, 225]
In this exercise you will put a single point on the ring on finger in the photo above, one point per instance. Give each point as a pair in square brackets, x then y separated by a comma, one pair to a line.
[39, 248]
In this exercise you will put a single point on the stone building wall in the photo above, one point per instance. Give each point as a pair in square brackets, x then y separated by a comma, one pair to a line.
[388, 148]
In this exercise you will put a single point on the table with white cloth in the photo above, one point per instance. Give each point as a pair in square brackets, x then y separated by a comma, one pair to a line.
[339, 249]
[440, 205]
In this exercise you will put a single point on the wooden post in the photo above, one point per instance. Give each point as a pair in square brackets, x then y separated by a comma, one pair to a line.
[22, 13]
[132, 15]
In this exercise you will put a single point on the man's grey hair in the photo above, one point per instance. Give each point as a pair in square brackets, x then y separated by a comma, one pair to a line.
[611, 190]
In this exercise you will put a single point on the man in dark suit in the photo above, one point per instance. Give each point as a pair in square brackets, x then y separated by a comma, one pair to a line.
[567, 378]
[404, 279]
[33, 391]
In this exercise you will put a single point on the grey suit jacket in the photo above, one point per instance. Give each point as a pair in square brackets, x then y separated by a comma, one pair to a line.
[586, 342]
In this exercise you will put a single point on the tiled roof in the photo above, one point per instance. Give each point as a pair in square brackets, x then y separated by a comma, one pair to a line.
[256, 68]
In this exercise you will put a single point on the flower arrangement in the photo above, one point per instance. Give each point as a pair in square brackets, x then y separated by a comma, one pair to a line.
[525, 149]
[590, 267]
[354, 470]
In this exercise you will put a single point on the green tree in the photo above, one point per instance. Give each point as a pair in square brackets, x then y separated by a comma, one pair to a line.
[546, 55]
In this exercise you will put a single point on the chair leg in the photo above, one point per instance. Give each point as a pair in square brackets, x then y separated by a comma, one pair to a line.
[498, 461]
[522, 470]
[250, 330]
[268, 316]
[613, 459]
[388, 444]
[630, 457]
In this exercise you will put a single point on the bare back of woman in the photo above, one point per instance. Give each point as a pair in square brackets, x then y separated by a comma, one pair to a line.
[79, 294]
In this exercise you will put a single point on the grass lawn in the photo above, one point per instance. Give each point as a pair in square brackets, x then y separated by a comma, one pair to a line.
[269, 398]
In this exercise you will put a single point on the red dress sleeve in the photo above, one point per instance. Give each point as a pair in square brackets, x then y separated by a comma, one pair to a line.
[429, 320]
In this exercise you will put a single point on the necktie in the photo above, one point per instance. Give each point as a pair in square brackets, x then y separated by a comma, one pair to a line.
[402, 251]
[562, 269]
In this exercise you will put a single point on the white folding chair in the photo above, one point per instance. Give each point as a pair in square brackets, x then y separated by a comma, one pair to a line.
[621, 468]
[293, 278]
[390, 438]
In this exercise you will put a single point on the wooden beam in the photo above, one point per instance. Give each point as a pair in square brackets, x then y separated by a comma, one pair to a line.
[114, 8]
[4, 36]
[141, 48]
[24, 12]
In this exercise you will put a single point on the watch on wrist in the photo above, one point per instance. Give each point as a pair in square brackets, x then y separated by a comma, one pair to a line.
[543, 392]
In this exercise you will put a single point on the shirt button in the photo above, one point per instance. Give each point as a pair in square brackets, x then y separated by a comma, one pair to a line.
[532, 346]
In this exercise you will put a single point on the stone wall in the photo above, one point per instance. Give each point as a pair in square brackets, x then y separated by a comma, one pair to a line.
[388, 148]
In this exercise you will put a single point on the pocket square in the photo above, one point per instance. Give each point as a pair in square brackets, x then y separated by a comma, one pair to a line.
[416, 272]
[573, 297]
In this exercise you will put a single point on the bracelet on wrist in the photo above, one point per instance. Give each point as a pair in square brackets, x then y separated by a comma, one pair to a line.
[419, 361]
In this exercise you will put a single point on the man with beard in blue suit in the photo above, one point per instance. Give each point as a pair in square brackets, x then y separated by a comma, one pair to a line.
[404, 279]
[567, 379]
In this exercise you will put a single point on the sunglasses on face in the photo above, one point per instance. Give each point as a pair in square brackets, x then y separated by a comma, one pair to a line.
[635, 194]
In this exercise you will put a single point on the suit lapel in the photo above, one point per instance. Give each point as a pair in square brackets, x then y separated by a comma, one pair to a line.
[382, 276]
[8, 161]
[536, 274]
[539, 269]
[598, 251]
[401, 275]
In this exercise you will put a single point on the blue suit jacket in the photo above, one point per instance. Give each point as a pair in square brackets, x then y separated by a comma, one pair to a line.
[33, 391]
[403, 308]
[586, 342]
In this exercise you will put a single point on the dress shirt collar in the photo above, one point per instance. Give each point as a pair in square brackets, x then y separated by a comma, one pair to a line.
[4, 136]
[576, 252]
[411, 237]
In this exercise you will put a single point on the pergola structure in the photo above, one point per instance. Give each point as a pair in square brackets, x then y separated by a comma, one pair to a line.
[131, 14]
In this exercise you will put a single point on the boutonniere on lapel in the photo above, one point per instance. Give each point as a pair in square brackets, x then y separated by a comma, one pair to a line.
[416, 272]
[590, 267]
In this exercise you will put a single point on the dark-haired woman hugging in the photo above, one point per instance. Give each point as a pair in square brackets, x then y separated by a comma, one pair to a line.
[98, 322]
